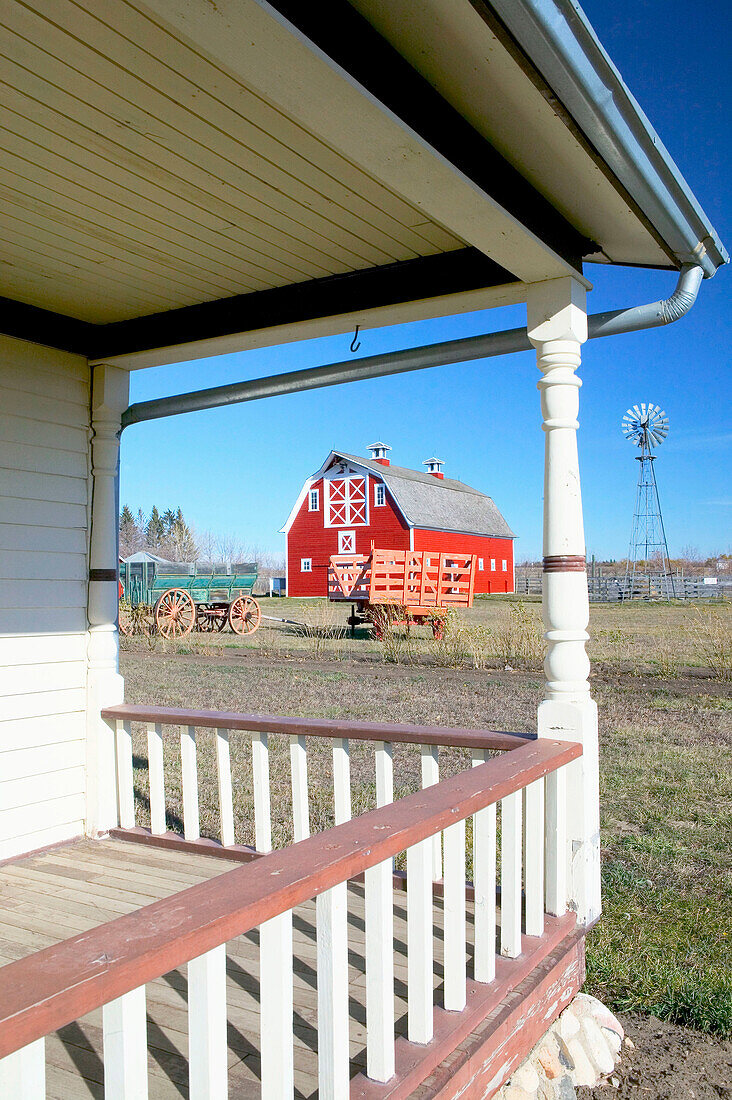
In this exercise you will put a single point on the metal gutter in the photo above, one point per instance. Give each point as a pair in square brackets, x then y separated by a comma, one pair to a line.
[611, 323]
[562, 45]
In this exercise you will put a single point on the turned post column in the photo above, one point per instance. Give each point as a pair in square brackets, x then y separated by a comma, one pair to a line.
[105, 686]
[557, 327]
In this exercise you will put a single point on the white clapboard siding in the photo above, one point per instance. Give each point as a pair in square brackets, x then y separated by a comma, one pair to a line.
[44, 508]
[57, 540]
[37, 565]
[43, 759]
[42, 649]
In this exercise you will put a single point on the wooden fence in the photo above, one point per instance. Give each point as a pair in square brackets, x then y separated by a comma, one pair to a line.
[643, 587]
[111, 965]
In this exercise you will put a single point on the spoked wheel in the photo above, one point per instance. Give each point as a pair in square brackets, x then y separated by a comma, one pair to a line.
[134, 620]
[210, 620]
[175, 613]
[245, 615]
[438, 629]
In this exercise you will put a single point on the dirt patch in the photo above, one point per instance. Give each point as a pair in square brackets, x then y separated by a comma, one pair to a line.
[668, 1063]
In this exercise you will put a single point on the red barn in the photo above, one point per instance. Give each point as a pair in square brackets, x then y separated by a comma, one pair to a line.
[352, 502]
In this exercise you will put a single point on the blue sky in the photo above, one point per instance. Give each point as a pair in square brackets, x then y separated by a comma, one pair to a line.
[237, 470]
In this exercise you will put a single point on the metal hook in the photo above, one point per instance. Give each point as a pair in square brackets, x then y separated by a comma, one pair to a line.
[354, 344]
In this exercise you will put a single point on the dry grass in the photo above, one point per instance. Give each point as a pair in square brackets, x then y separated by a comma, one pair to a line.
[663, 945]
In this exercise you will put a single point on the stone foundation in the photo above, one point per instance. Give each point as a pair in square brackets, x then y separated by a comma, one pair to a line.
[581, 1048]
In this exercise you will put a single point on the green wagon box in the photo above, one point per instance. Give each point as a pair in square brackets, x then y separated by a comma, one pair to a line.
[174, 598]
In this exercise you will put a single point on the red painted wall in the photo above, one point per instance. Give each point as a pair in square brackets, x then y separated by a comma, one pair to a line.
[501, 550]
[309, 538]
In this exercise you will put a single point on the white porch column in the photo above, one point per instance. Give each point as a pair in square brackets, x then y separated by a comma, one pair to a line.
[557, 327]
[110, 394]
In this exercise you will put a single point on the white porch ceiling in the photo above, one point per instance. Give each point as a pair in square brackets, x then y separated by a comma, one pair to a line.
[138, 176]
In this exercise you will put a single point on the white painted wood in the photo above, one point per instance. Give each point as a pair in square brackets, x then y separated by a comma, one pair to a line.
[299, 83]
[27, 764]
[534, 857]
[207, 1040]
[332, 948]
[226, 799]
[124, 1025]
[23, 1074]
[420, 949]
[384, 773]
[430, 755]
[44, 496]
[454, 901]
[275, 983]
[342, 780]
[511, 815]
[157, 778]
[125, 776]
[65, 817]
[262, 813]
[484, 884]
[299, 776]
[25, 792]
[189, 783]
[557, 327]
[380, 971]
[556, 843]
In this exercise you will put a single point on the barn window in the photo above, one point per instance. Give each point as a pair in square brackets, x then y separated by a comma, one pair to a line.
[346, 542]
[306, 565]
[314, 504]
[480, 564]
[504, 565]
[493, 565]
[379, 495]
[346, 502]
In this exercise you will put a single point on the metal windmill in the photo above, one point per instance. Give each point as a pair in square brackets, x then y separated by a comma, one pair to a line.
[646, 426]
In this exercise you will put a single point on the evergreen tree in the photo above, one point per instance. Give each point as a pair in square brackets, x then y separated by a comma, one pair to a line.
[155, 529]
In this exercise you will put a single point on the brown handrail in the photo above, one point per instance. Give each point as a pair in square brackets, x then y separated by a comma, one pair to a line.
[456, 737]
[59, 984]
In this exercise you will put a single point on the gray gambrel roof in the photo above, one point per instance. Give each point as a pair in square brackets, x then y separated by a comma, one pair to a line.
[439, 503]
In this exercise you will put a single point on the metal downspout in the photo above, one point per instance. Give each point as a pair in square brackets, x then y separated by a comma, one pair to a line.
[611, 323]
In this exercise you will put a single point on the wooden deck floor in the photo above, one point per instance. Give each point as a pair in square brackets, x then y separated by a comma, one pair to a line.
[57, 894]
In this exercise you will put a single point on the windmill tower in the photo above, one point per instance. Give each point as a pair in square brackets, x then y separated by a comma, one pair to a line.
[646, 426]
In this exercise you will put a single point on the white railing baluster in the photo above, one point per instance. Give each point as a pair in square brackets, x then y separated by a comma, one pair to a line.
[207, 1038]
[430, 776]
[226, 800]
[342, 780]
[189, 782]
[380, 971]
[420, 954]
[262, 813]
[23, 1074]
[454, 902]
[124, 1026]
[556, 842]
[275, 984]
[384, 773]
[484, 884]
[511, 813]
[299, 772]
[125, 776]
[332, 940]
[534, 871]
[156, 775]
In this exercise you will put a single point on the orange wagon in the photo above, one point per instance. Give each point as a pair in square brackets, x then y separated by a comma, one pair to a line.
[410, 585]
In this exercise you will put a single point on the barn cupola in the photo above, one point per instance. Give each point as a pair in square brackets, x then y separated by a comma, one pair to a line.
[378, 452]
[434, 466]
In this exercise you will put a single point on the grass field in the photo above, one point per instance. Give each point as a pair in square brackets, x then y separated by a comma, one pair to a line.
[661, 677]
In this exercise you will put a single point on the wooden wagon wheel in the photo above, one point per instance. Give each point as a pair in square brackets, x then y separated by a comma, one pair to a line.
[245, 615]
[175, 613]
[125, 619]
